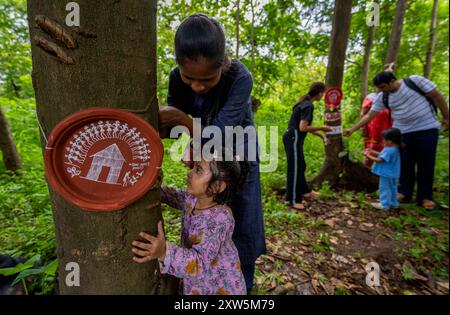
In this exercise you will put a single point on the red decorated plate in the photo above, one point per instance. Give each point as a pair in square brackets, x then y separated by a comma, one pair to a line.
[333, 96]
[103, 159]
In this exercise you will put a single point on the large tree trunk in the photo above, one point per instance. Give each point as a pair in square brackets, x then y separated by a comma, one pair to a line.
[396, 33]
[340, 171]
[11, 157]
[432, 42]
[366, 63]
[112, 65]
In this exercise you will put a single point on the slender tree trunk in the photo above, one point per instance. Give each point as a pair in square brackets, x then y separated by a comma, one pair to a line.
[432, 42]
[340, 171]
[252, 36]
[396, 33]
[335, 72]
[112, 65]
[366, 63]
[238, 19]
[7, 146]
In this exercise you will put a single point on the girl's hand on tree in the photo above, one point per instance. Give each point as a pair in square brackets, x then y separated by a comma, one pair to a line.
[156, 249]
[327, 129]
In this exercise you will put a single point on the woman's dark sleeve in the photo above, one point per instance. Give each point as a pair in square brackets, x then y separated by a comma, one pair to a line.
[237, 104]
[307, 113]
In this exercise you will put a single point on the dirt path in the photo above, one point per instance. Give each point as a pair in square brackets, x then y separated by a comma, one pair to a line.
[327, 249]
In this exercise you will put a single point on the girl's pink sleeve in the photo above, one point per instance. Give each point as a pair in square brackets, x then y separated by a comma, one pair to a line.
[181, 262]
[173, 197]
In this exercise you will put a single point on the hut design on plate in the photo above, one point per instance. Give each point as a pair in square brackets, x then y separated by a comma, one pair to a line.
[108, 162]
[110, 157]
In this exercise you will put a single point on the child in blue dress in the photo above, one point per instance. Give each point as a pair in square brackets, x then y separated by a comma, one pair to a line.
[387, 167]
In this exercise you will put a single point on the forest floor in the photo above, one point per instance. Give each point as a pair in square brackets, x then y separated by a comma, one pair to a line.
[324, 249]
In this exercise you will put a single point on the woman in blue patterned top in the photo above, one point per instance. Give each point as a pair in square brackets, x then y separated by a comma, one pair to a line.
[209, 86]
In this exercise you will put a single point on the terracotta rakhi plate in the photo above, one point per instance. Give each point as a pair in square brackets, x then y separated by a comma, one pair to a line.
[333, 96]
[103, 159]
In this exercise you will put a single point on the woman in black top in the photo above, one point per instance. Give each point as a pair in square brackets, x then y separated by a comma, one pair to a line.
[293, 139]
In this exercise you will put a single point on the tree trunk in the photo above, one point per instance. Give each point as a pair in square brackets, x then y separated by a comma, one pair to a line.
[396, 33]
[432, 42]
[366, 63]
[238, 35]
[7, 146]
[340, 171]
[113, 64]
[252, 37]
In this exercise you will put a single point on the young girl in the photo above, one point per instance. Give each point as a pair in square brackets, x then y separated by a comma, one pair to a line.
[387, 167]
[207, 85]
[293, 139]
[207, 259]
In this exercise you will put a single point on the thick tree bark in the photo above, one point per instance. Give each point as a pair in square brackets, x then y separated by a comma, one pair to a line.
[366, 63]
[111, 64]
[432, 42]
[396, 33]
[341, 171]
[11, 157]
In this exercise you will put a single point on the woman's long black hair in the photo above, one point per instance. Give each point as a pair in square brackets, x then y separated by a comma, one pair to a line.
[315, 89]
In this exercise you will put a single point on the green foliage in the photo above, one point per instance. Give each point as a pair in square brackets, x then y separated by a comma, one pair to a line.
[25, 270]
[325, 191]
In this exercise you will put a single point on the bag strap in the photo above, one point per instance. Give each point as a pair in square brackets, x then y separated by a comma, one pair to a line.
[386, 104]
[413, 86]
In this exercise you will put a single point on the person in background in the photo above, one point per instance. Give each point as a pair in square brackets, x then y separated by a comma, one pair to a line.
[293, 140]
[411, 101]
[372, 131]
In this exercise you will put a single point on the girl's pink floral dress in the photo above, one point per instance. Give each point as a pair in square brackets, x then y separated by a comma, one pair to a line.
[207, 260]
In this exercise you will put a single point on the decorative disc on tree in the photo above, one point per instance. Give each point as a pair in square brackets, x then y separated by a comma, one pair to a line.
[103, 159]
[333, 96]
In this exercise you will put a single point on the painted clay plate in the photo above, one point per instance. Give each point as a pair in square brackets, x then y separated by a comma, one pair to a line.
[103, 159]
[333, 96]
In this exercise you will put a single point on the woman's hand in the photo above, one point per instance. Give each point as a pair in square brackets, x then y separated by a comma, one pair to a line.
[348, 132]
[156, 249]
[327, 128]
[169, 117]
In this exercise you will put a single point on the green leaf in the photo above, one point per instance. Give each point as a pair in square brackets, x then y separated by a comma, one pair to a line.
[26, 273]
[50, 269]
[19, 267]
[342, 154]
